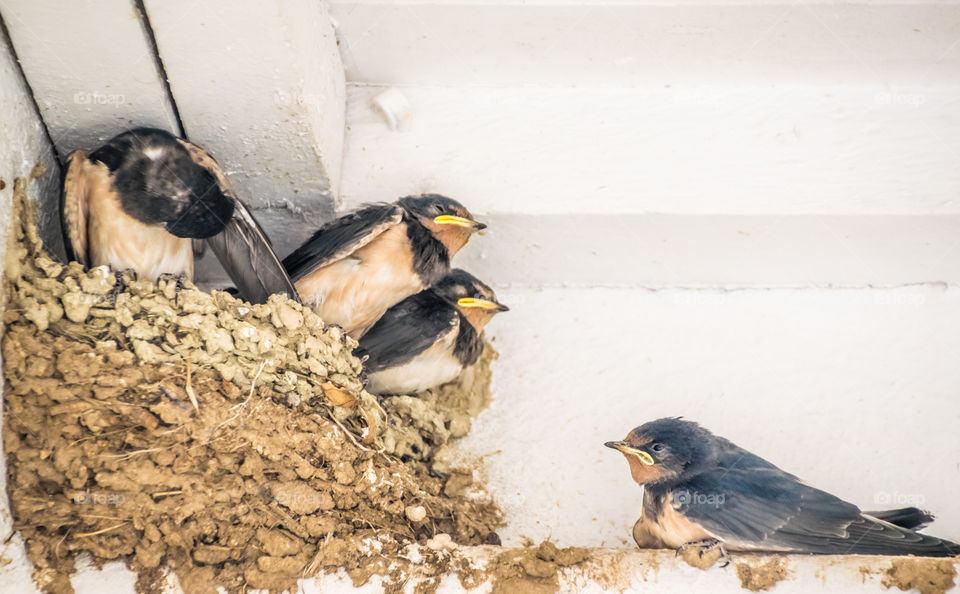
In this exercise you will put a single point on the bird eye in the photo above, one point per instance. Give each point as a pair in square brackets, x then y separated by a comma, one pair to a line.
[657, 447]
[438, 208]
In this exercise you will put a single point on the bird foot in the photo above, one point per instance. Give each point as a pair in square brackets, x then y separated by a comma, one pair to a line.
[120, 283]
[704, 553]
[177, 280]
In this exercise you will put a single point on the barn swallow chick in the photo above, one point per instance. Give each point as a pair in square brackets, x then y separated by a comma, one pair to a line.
[356, 267]
[703, 491]
[138, 201]
[429, 338]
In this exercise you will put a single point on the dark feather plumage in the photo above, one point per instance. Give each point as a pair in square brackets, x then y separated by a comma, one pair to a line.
[772, 510]
[911, 518]
[430, 337]
[244, 251]
[407, 329]
[341, 237]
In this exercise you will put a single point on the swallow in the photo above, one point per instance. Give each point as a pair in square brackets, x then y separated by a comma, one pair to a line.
[138, 202]
[430, 337]
[357, 266]
[702, 490]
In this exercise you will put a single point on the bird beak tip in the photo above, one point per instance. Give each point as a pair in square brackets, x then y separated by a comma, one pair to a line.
[615, 445]
[478, 226]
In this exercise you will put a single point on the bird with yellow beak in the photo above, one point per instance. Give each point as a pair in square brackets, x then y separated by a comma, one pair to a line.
[429, 338]
[356, 267]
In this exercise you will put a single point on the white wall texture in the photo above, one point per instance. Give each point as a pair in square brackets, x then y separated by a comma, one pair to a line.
[745, 213]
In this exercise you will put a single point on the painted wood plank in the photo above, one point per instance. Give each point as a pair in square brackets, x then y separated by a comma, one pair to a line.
[618, 44]
[837, 150]
[260, 85]
[91, 68]
[725, 251]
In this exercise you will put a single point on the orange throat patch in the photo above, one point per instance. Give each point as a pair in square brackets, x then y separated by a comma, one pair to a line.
[641, 472]
[453, 237]
[477, 317]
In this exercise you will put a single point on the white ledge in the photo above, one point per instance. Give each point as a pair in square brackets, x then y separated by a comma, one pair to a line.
[607, 570]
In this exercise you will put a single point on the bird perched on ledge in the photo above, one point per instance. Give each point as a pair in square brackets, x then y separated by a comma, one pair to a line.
[356, 267]
[428, 338]
[703, 491]
[138, 201]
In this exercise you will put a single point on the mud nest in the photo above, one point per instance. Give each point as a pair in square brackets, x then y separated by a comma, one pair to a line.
[232, 443]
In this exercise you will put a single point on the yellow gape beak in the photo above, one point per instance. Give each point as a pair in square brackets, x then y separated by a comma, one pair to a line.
[458, 221]
[469, 302]
[644, 457]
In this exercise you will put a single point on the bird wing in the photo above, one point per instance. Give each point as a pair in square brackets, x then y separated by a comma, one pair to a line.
[406, 330]
[768, 509]
[245, 252]
[74, 207]
[913, 518]
[242, 247]
[341, 237]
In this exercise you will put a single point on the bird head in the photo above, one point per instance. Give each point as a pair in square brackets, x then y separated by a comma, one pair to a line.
[475, 300]
[664, 450]
[448, 220]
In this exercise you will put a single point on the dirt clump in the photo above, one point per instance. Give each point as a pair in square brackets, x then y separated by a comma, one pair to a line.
[229, 442]
[534, 569]
[763, 576]
[927, 576]
[701, 557]
[421, 426]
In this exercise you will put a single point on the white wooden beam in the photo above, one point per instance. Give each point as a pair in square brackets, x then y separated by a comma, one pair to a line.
[718, 251]
[260, 85]
[91, 67]
[614, 43]
[746, 150]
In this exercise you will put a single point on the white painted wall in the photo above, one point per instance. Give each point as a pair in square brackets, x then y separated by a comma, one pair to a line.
[624, 43]
[719, 148]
